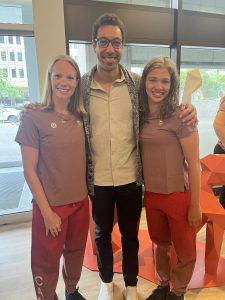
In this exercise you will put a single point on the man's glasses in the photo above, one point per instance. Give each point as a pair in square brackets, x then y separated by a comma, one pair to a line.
[104, 42]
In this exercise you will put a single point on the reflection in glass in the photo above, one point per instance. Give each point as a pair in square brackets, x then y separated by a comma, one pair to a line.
[211, 63]
[159, 3]
[16, 11]
[18, 85]
[217, 6]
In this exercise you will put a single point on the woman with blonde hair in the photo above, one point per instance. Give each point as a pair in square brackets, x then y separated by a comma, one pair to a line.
[53, 153]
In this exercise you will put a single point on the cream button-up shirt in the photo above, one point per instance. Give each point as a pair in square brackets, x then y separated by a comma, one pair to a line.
[112, 135]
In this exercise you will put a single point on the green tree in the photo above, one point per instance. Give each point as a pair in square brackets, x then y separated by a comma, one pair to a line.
[9, 91]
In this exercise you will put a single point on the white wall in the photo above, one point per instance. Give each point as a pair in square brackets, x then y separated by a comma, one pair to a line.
[49, 30]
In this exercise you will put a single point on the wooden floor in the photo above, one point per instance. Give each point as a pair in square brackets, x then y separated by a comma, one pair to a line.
[15, 275]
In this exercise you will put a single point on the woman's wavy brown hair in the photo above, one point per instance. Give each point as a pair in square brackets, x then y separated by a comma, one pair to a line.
[170, 103]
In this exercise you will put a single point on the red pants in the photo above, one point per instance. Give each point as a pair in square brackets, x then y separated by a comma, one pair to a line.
[47, 250]
[167, 224]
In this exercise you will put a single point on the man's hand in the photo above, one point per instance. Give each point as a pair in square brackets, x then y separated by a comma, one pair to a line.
[188, 114]
[32, 106]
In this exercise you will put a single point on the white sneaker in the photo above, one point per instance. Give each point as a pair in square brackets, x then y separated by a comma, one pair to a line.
[130, 293]
[106, 291]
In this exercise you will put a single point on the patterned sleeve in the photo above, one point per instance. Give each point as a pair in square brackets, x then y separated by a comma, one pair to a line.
[27, 133]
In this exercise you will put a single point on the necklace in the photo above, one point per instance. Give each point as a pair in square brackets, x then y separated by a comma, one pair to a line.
[160, 122]
[63, 118]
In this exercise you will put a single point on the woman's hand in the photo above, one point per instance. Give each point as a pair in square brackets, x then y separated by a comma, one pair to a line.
[194, 215]
[52, 223]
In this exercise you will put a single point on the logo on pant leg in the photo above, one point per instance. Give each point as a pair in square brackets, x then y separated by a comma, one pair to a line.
[39, 282]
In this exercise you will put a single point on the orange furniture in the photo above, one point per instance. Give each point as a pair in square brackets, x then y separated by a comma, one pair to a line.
[210, 266]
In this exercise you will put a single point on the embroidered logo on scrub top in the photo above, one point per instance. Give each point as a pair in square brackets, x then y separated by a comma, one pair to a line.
[53, 125]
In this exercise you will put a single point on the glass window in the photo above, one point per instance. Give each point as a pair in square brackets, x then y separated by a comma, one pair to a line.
[5, 73]
[3, 55]
[15, 196]
[159, 3]
[13, 72]
[18, 40]
[16, 12]
[19, 56]
[2, 40]
[10, 39]
[12, 56]
[21, 73]
[211, 63]
[210, 6]
[134, 56]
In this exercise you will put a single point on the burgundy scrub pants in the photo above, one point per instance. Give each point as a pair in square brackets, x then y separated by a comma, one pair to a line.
[46, 251]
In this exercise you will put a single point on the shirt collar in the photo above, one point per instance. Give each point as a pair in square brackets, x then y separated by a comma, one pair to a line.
[96, 85]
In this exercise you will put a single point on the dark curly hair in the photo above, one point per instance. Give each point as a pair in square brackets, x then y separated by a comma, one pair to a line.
[107, 19]
[171, 101]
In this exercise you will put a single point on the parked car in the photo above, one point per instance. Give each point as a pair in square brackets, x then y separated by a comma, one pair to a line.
[9, 114]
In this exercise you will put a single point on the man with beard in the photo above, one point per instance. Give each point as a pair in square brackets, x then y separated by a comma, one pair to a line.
[110, 95]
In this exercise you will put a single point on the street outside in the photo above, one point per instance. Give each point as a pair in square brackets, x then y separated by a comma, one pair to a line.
[15, 196]
[207, 110]
[9, 149]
